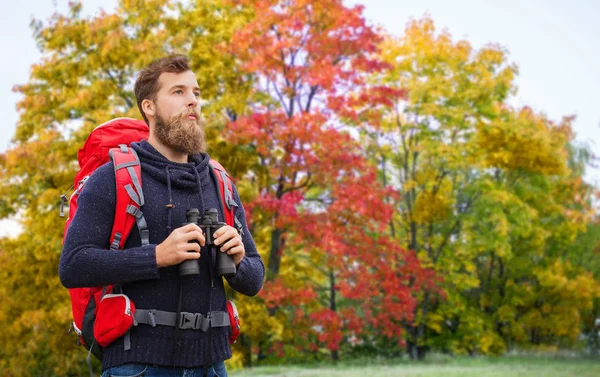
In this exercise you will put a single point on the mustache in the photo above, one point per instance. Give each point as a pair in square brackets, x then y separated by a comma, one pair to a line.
[193, 112]
[182, 116]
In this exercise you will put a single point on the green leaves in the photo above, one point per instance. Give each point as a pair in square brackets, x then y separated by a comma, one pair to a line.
[394, 194]
[486, 193]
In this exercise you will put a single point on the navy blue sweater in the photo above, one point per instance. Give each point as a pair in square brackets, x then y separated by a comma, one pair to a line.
[87, 260]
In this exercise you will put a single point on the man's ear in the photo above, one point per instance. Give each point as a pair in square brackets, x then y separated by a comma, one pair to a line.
[149, 107]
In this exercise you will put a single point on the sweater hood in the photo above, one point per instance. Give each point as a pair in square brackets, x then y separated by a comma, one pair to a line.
[183, 175]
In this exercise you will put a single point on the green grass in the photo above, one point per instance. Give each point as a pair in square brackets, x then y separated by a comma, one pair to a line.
[441, 366]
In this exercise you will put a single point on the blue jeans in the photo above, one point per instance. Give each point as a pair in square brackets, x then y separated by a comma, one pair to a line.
[147, 370]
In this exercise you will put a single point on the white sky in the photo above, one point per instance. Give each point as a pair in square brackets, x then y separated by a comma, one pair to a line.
[554, 42]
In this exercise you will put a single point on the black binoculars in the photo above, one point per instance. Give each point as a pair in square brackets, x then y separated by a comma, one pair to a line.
[209, 225]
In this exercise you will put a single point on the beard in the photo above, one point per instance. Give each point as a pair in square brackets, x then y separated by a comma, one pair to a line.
[180, 133]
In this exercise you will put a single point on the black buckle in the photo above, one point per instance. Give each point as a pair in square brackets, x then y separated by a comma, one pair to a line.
[187, 320]
[195, 321]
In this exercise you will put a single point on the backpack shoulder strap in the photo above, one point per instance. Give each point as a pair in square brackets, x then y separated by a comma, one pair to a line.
[130, 197]
[225, 191]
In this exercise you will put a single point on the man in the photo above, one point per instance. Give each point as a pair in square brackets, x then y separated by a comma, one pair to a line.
[175, 178]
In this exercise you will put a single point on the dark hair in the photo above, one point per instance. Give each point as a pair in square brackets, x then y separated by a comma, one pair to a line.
[146, 85]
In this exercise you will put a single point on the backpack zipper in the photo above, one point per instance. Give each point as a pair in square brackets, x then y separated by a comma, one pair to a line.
[127, 302]
[110, 121]
[63, 197]
[80, 185]
[75, 328]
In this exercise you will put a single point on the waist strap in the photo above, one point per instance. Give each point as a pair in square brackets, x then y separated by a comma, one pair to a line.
[186, 321]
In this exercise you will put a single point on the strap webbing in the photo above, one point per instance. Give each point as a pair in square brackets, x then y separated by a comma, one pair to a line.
[89, 360]
[127, 341]
[208, 352]
[115, 244]
[129, 192]
[141, 223]
[223, 184]
[226, 189]
[132, 194]
[186, 321]
[239, 226]
[136, 183]
[126, 165]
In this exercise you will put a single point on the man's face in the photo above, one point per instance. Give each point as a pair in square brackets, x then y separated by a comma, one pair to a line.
[178, 123]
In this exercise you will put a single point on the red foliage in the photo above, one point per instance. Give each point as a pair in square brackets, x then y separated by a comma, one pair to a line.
[276, 293]
[312, 58]
[329, 331]
[321, 43]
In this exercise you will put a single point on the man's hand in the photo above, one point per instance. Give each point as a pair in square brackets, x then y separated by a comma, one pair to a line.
[176, 248]
[231, 242]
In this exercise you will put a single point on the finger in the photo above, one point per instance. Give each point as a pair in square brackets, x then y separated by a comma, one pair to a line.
[196, 235]
[230, 234]
[230, 244]
[222, 230]
[237, 250]
[189, 247]
[186, 255]
[190, 228]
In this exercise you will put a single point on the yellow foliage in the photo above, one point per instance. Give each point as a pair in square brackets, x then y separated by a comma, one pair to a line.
[554, 306]
[84, 79]
[432, 206]
[488, 193]
[435, 322]
[476, 335]
[524, 141]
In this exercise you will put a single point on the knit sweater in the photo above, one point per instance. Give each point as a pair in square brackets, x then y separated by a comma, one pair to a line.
[88, 261]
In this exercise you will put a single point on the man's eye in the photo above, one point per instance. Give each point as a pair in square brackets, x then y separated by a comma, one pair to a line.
[178, 91]
[197, 94]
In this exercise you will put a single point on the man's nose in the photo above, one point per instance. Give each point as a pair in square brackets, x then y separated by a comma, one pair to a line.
[193, 101]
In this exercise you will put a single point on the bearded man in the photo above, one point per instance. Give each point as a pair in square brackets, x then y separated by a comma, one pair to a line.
[175, 177]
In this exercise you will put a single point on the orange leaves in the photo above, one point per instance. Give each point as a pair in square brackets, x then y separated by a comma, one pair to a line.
[355, 202]
[329, 328]
[305, 41]
[368, 106]
[285, 207]
[276, 293]
[311, 60]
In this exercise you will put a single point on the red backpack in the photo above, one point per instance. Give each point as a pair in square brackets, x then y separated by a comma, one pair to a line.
[110, 141]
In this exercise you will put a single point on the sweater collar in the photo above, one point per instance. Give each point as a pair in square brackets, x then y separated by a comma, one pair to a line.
[188, 175]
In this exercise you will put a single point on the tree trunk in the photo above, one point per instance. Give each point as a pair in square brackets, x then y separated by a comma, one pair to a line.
[415, 351]
[332, 290]
[384, 175]
[261, 351]
[413, 237]
[246, 343]
[275, 254]
[334, 353]
[415, 345]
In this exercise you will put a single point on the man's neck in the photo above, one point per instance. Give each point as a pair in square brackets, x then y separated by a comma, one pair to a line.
[170, 154]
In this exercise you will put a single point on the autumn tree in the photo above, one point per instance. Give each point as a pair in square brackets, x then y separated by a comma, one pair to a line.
[485, 190]
[331, 266]
[307, 174]
[395, 195]
[85, 77]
